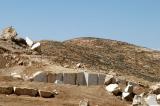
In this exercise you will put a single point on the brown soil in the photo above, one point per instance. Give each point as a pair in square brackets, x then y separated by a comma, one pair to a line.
[69, 95]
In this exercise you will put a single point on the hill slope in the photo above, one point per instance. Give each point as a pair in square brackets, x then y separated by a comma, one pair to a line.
[105, 55]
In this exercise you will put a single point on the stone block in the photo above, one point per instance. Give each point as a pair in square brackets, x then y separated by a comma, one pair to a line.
[40, 77]
[51, 77]
[25, 91]
[69, 78]
[6, 90]
[59, 76]
[91, 78]
[46, 94]
[80, 79]
[101, 79]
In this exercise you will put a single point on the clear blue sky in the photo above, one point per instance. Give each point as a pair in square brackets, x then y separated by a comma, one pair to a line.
[133, 21]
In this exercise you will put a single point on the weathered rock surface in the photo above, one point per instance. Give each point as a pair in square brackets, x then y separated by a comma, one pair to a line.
[46, 94]
[80, 80]
[155, 89]
[9, 33]
[109, 79]
[25, 91]
[137, 101]
[69, 78]
[91, 78]
[6, 90]
[113, 88]
[101, 79]
[84, 102]
[151, 100]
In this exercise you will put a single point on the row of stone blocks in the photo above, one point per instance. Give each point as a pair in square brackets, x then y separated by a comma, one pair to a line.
[25, 91]
[77, 78]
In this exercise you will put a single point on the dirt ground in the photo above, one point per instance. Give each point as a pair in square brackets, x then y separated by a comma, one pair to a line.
[68, 95]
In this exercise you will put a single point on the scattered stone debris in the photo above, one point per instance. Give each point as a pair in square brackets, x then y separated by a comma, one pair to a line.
[84, 102]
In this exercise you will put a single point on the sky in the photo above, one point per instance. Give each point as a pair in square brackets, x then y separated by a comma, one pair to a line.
[132, 21]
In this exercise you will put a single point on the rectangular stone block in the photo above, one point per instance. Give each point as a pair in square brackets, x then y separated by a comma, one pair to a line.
[51, 77]
[69, 78]
[6, 90]
[25, 91]
[59, 76]
[92, 79]
[41, 77]
[80, 79]
[101, 79]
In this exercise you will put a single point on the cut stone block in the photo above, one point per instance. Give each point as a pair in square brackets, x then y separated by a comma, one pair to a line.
[80, 79]
[91, 78]
[25, 91]
[46, 94]
[69, 78]
[59, 76]
[51, 77]
[6, 90]
[101, 79]
[151, 100]
[40, 77]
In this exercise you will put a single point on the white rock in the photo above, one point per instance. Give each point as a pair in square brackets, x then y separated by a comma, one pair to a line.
[15, 75]
[127, 96]
[35, 46]
[151, 100]
[29, 41]
[84, 102]
[137, 100]
[111, 87]
[158, 97]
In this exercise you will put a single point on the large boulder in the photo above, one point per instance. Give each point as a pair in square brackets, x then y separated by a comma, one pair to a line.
[109, 79]
[113, 88]
[137, 90]
[26, 91]
[155, 89]
[151, 100]
[6, 90]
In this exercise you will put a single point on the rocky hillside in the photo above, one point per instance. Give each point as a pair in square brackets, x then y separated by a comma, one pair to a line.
[105, 55]
[95, 54]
